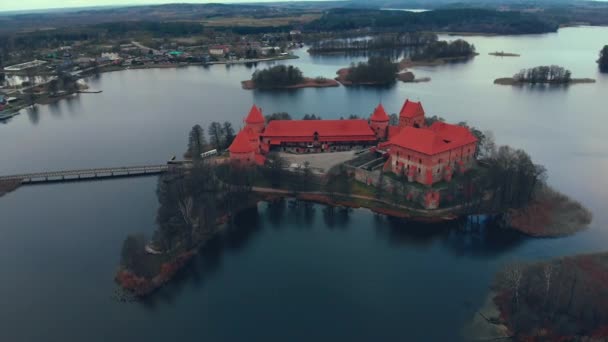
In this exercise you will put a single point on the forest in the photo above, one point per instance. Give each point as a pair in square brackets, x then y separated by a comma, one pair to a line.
[447, 20]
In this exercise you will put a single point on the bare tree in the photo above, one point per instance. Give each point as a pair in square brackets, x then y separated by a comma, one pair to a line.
[514, 275]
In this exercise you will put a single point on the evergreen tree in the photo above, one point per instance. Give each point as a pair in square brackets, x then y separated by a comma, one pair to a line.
[216, 135]
[196, 142]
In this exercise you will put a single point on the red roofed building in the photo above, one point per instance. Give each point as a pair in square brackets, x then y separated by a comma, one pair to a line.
[425, 155]
[411, 114]
[255, 120]
[245, 148]
[317, 135]
[429, 155]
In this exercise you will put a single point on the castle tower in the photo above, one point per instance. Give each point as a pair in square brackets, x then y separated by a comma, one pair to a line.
[379, 122]
[411, 115]
[255, 120]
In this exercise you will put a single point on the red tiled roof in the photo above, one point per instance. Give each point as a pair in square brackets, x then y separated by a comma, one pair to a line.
[411, 109]
[453, 133]
[339, 129]
[379, 114]
[439, 138]
[393, 131]
[241, 143]
[255, 116]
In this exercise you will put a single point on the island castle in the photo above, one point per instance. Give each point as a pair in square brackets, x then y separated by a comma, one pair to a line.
[423, 154]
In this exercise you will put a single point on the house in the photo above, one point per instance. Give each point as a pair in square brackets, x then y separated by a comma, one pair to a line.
[219, 50]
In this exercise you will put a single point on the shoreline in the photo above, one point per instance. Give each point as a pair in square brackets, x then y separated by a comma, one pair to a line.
[140, 286]
[45, 99]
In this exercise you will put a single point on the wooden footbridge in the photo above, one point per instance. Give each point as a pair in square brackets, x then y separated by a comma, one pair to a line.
[85, 174]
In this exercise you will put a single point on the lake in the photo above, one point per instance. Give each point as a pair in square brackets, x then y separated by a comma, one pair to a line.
[285, 272]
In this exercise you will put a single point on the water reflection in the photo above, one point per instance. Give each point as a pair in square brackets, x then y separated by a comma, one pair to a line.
[471, 237]
[462, 237]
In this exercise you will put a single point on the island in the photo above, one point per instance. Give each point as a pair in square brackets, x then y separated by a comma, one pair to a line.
[285, 77]
[419, 168]
[377, 71]
[550, 75]
[564, 299]
[503, 54]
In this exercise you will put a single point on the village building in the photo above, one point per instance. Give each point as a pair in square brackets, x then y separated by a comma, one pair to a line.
[219, 50]
[422, 154]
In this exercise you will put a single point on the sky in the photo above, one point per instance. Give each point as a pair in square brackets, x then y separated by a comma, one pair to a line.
[18, 5]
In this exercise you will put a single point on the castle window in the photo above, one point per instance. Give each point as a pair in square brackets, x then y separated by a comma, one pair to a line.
[418, 170]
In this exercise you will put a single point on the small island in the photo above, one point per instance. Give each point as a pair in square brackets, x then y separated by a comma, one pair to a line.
[503, 54]
[550, 75]
[285, 77]
[377, 71]
[563, 299]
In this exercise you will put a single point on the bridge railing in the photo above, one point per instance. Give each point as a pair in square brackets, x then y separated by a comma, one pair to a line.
[92, 173]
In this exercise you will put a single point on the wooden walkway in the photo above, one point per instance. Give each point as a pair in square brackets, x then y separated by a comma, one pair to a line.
[86, 174]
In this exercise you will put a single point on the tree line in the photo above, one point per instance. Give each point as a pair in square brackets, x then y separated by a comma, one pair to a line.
[457, 19]
[383, 41]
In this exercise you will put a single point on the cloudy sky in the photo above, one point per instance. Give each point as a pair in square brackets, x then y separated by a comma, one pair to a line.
[13, 5]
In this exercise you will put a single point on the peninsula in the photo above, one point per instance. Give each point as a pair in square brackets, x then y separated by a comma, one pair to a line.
[420, 168]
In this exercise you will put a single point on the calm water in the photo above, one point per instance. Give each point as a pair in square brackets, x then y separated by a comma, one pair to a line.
[284, 273]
